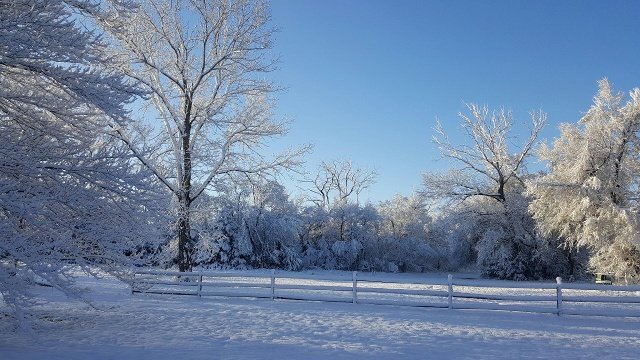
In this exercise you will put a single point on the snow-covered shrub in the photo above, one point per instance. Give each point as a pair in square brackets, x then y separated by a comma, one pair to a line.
[500, 239]
[346, 253]
[336, 239]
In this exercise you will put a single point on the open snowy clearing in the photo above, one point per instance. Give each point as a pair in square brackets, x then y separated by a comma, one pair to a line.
[169, 327]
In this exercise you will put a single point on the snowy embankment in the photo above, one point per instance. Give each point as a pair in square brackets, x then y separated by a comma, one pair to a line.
[169, 327]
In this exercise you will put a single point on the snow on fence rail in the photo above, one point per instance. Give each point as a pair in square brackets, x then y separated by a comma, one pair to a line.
[556, 298]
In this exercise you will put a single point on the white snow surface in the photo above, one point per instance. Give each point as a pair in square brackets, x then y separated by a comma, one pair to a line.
[129, 326]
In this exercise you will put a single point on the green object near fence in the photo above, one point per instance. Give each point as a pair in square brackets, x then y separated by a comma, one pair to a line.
[605, 279]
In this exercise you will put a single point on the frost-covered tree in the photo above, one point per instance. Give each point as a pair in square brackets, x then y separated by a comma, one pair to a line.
[487, 164]
[315, 248]
[222, 238]
[210, 106]
[484, 191]
[589, 198]
[335, 228]
[336, 239]
[251, 224]
[272, 223]
[405, 242]
[69, 193]
[405, 216]
[338, 183]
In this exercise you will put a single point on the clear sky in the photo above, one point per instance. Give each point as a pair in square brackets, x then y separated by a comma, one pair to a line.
[367, 79]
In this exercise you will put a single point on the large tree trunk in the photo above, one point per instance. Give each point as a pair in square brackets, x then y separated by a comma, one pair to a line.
[185, 247]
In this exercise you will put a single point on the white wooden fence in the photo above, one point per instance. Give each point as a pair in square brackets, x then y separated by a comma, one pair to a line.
[557, 298]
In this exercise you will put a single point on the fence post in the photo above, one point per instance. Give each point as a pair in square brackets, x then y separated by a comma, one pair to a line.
[133, 282]
[355, 287]
[559, 295]
[200, 283]
[273, 284]
[450, 290]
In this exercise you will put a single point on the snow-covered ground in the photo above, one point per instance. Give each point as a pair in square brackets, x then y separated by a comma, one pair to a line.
[172, 327]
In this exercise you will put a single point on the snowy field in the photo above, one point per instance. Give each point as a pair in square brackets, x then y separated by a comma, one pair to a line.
[185, 327]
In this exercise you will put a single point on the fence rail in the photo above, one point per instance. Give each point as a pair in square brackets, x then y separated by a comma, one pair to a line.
[557, 298]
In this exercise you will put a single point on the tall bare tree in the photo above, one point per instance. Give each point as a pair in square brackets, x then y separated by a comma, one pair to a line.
[483, 193]
[338, 183]
[203, 62]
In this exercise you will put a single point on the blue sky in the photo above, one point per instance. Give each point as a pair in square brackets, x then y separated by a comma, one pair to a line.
[366, 80]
